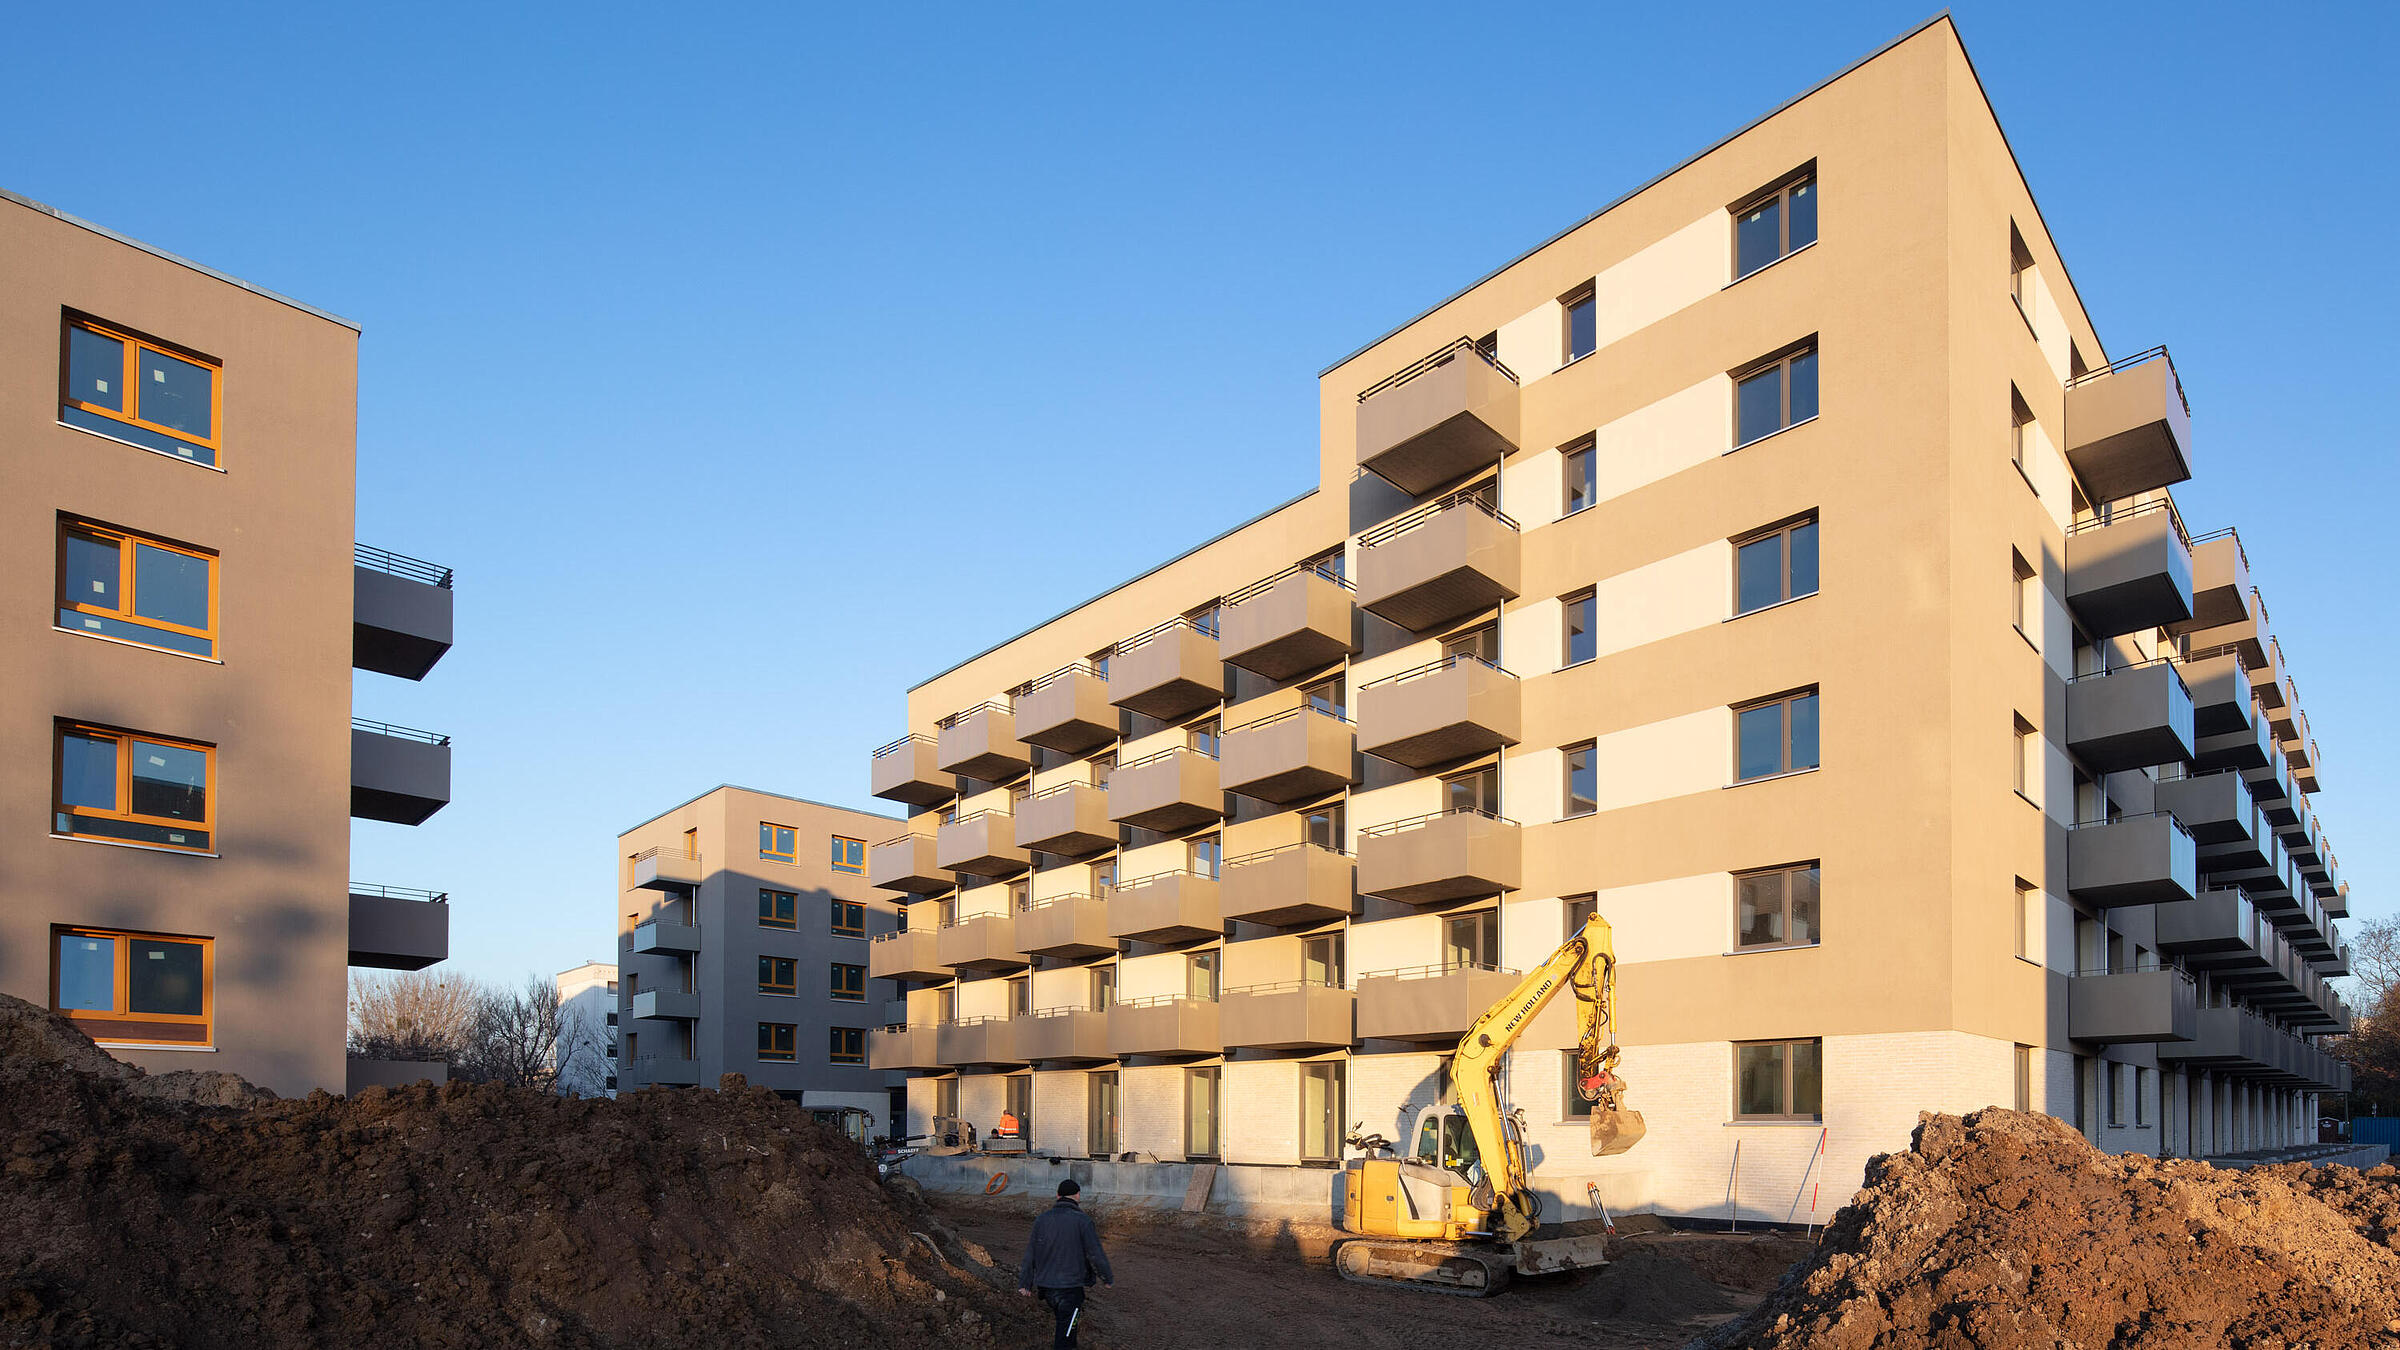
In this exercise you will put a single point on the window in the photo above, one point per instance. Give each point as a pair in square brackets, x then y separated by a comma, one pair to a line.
[2025, 608]
[1326, 697]
[1104, 987]
[1101, 1107]
[138, 391]
[1776, 394]
[1324, 825]
[778, 909]
[2022, 919]
[2028, 764]
[1575, 912]
[2141, 1096]
[2020, 273]
[1200, 976]
[2024, 1077]
[1475, 791]
[139, 789]
[1200, 1113]
[2020, 430]
[1571, 1105]
[1776, 565]
[850, 855]
[900, 915]
[1777, 907]
[1321, 960]
[1777, 736]
[1772, 225]
[1202, 736]
[777, 975]
[145, 988]
[2116, 1091]
[120, 585]
[1020, 997]
[849, 919]
[1780, 1080]
[1471, 940]
[1583, 327]
[1321, 1112]
[1020, 896]
[1578, 642]
[776, 842]
[776, 1041]
[945, 1096]
[1582, 779]
[1205, 856]
[849, 983]
[846, 1045]
[1483, 644]
[1581, 474]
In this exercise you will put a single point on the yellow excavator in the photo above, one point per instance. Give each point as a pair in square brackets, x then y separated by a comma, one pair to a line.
[1456, 1212]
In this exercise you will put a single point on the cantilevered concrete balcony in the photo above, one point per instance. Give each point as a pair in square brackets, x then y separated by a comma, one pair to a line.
[984, 844]
[1286, 756]
[1166, 907]
[1066, 710]
[1169, 1025]
[2251, 746]
[1450, 855]
[665, 936]
[397, 774]
[667, 1071]
[1428, 1003]
[1168, 672]
[911, 954]
[1440, 712]
[399, 613]
[1445, 561]
[397, 927]
[1289, 1015]
[2243, 626]
[2130, 572]
[976, 1041]
[2128, 427]
[904, 771]
[668, 867]
[981, 743]
[907, 862]
[1068, 926]
[2132, 1006]
[986, 942]
[898, 1048]
[2271, 783]
[1295, 621]
[2220, 581]
[2134, 860]
[2218, 931]
[1069, 819]
[1297, 883]
[2215, 807]
[1445, 416]
[2221, 699]
[1064, 1034]
[666, 1005]
[2245, 1045]
[1174, 789]
[2132, 717]
[2304, 773]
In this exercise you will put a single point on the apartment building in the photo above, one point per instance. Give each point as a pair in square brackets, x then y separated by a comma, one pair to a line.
[1778, 562]
[179, 766]
[743, 919]
[587, 1020]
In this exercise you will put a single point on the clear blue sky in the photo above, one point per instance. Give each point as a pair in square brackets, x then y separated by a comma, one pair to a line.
[668, 312]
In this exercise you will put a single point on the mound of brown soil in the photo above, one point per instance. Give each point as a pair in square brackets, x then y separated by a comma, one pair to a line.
[137, 1211]
[2002, 1229]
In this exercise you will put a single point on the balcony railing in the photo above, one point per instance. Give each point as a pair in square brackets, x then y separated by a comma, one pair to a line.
[1435, 360]
[402, 566]
[399, 732]
[1475, 498]
[2124, 363]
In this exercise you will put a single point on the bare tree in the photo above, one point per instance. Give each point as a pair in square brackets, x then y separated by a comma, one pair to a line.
[2373, 1046]
[411, 1015]
[2375, 961]
[514, 1037]
[582, 1054]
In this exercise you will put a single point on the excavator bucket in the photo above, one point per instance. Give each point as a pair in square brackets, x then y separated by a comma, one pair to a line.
[1615, 1131]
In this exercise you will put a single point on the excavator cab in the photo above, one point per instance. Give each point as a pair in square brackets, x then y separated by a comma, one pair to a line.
[1446, 1141]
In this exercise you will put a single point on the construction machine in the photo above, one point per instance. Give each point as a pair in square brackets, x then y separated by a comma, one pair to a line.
[1456, 1211]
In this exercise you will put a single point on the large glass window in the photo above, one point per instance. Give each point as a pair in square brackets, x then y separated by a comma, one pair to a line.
[849, 983]
[778, 909]
[846, 1045]
[1582, 779]
[140, 987]
[1778, 907]
[1321, 1112]
[1200, 1113]
[849, 855]
[776, 843]
[1102, 1112]
[777, 1041]
[1778, 565]
[138, 391]
[1582, 477]
[1583, 326]
[1476, 791]
[777, 974]
[1777, 736]
[140, 789]
[849, 919]
[1471, 940]
[1775, 224]
[1578, 639]
[1780, 1080]
[121, 585]
[1776, 395]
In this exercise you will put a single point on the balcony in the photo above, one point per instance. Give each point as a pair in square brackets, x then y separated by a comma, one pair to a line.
[1428, 1003]
[981, 743]
[2135, 860]
[397, 927]
[1067, 926]
[1445, 416]
[2132, 1006]
[2214, 808]
[1064, 1034]
[1294, 884]
[1457, 557]
[1289, 1015]
[1450, 855]
[667, 1071]
[985, 942]
[984, 844]
[1066, 710]
[397, 774]
[1295, 621]
[2246, 1045]
[1441, 712]
[2220, 581]
[898, 1048]
[2130, 572]
[910, 954]
[904, 771]
[399, 613]
[2250, 746]
[2271, 783]
[668, 867]
[2129, 429]
[2219, 931]
[1166, 907]
[977, 1041]
[1283, 758]
[1171, 1024]
[1168, 672]
[1174, 789]
[2220, 691]
[908, 863]
[1070, 820]
[2132, 717]
[666, 937]
[2304, 774]
[666, 1005]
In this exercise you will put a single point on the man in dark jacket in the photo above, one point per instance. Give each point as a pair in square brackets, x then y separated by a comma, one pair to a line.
[1062, 1259]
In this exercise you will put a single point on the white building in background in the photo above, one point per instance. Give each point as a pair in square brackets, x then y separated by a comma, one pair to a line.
[587, 1001]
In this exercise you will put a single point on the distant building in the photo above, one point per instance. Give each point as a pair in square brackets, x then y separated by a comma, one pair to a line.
[587, 1015]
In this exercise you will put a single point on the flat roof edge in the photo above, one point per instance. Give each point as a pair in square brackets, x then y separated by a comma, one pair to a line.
[763, 792]
[178, 259]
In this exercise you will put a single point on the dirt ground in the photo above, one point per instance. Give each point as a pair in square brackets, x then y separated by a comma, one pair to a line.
[1195, 1284]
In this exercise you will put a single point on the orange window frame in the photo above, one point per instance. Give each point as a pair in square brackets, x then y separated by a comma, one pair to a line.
[849, 855]
[849, 983]
[125, 540]
[134, 347]
[778, 909]
[777, 843]
[846, 1045]
[123, 984]
[772, 966]
[778, 1041]
[855, 912]
[125, 740]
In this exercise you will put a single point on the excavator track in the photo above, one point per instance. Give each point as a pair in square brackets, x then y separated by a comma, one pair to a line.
[1434, 1267]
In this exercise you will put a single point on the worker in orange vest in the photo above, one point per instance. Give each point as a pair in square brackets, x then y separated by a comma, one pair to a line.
[1008, 1123]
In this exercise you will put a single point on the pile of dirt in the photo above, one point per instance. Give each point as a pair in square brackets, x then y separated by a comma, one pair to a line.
[2004, 1229]
[195, 1210]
